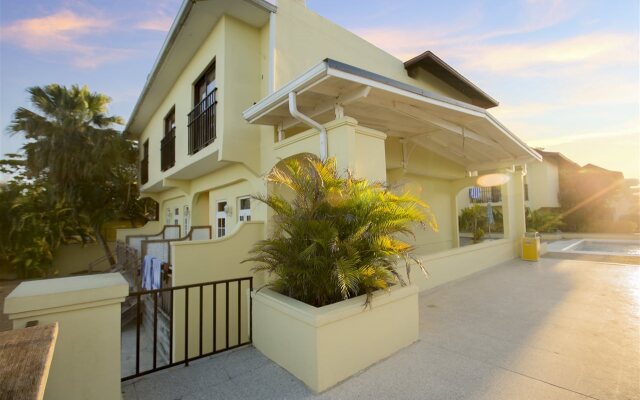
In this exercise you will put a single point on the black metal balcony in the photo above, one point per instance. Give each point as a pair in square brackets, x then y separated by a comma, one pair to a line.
[202, 124]
[485, 194]
[168, 150]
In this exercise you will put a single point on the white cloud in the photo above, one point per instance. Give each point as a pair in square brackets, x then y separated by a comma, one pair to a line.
[62, 32]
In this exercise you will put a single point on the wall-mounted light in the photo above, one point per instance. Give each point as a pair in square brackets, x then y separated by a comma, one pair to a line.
[228, 210]
[492, 180]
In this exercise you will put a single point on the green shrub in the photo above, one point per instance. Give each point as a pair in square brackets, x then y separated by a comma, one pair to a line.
[339, 237]
[543, 220]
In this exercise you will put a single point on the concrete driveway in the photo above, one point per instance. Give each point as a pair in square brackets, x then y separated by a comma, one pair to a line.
[555, 329]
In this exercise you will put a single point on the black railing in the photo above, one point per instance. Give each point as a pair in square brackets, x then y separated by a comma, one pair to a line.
[202, 123]
[144, 171]
[209, 303]
[168, 150]
[485, 194]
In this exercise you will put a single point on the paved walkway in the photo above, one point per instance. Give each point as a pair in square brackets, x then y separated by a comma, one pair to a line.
[556, 329]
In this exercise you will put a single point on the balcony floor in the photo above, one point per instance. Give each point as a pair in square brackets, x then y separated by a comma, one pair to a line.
[556, 329]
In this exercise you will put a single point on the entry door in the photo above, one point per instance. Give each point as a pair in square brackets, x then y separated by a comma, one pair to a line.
[187, 219]
[221, 218]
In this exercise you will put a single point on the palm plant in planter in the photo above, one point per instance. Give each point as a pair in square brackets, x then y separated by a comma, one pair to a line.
[336, 237]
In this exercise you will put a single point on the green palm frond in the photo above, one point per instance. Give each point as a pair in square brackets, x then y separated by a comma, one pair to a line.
[335, 237]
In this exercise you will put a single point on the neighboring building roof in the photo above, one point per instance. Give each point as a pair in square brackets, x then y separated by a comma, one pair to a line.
[593, 167]
[436, 66]
[181, 47]
[554, 155]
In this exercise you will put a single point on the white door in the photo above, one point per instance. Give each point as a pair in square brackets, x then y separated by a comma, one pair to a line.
[186, 215]
[221, 219]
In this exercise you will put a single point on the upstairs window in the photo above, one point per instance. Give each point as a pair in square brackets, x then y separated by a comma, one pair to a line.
[168, 142]
[206, 85]
[170, 123]
[144, 163]
[202, 119]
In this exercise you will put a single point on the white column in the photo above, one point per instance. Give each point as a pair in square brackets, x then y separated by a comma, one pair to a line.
[86, 358]
[513, 207]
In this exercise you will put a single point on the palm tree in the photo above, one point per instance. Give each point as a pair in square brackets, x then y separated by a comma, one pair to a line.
[71, 144]
[339, 237]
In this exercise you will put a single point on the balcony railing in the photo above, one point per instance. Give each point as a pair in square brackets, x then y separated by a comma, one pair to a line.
[168, 150]
[202, 124]
[144, 171]
[485, 194]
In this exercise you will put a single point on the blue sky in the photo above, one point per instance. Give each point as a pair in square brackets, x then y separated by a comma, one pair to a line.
[565, 72]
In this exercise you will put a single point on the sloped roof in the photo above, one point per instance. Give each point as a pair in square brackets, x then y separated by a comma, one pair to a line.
[436, 66]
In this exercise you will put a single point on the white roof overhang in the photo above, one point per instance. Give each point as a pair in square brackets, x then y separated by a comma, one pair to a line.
[190, 28]
[460, 132]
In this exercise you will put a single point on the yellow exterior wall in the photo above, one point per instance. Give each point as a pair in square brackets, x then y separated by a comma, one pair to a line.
[448, 266]
[181, 96]
[304, 39]
[150, 228]
[75, 258]
[421, 161]
[239, 140]
[437, 194]
[86, 359]
[544, 185]
[311, 342]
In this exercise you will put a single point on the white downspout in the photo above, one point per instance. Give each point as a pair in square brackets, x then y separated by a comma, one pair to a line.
[293, 110]
[271, 79]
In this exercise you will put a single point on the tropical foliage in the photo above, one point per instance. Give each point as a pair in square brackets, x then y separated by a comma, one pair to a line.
[543, 220]
[75, 173]
[335, 237]
[587, 197]
[35, 224]
[474, 219]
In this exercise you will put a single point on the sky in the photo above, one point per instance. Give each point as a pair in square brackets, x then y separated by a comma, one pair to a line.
[566, 72]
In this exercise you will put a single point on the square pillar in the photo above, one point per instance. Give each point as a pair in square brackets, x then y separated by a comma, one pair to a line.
[513, 206]
[358, 149]
[86, 358]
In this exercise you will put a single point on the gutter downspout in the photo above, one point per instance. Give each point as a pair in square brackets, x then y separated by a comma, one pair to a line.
[293, 110]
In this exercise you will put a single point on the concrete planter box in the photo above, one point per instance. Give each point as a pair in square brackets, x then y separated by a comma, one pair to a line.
[326, 345]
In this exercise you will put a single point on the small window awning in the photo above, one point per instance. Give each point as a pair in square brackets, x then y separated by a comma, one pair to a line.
[460, 132]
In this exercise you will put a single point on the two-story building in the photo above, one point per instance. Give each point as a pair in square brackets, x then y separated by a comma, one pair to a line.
[241, 84]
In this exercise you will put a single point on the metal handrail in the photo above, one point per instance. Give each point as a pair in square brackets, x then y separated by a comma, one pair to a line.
[155, 294]
[202, 123]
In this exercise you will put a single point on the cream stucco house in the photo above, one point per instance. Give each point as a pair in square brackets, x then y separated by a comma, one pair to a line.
[241, 84]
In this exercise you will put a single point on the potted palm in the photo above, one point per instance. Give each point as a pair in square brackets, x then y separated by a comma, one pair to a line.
[335, 302]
